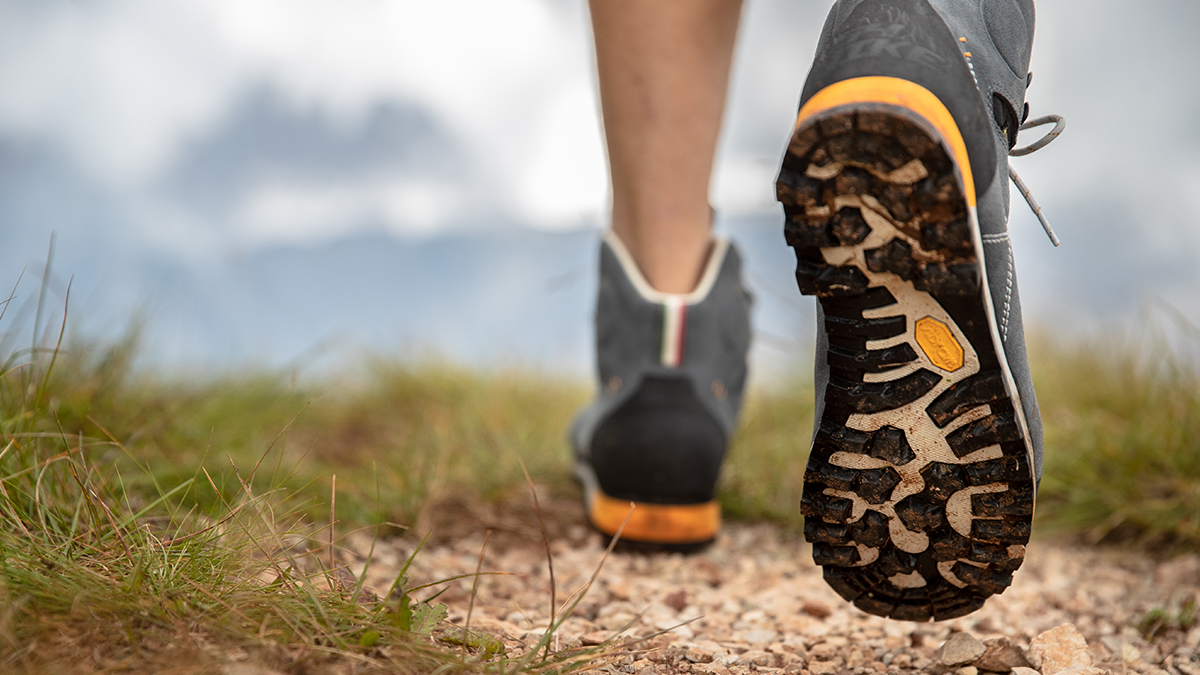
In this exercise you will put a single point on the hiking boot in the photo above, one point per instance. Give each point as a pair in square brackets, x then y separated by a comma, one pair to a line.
[672, 367]
[927, 449]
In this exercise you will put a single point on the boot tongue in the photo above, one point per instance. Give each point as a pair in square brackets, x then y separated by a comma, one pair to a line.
[1006, 118]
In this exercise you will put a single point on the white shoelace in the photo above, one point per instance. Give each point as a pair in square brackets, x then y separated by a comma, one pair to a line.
[1060, 125]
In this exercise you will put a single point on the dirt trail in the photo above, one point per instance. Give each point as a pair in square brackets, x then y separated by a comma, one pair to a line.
[754, 601]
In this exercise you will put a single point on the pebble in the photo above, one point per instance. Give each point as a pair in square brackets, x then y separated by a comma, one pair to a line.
[1081, 670]
[817, 609]
[1001, 656]
[959, 650]
[677, 600]
[823, 667]
[823, 651]
[755, 602]
[757, 657]
[1059, 649]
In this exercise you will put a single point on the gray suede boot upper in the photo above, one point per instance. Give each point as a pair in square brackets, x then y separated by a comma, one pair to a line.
[672, 369]
[920, 483]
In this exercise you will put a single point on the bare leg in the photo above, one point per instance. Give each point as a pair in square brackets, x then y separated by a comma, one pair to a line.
[664, 67]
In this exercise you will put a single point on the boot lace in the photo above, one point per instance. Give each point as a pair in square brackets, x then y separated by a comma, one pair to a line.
[1060, 125]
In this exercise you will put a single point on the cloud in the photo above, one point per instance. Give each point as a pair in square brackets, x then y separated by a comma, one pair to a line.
[205, 124]
[1112, 69]
[566, 181]
[119, 85]
[127, 87]
[275, 214]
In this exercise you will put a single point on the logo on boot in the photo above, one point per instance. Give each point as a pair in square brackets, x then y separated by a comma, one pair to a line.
[939, 344]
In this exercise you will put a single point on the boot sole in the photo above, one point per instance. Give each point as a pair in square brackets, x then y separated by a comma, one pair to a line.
[918, 495]
[647, 525]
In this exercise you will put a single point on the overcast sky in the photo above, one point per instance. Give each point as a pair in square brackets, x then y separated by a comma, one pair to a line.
[195, 130]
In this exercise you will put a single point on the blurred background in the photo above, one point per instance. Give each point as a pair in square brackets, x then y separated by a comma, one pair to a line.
[290, 183]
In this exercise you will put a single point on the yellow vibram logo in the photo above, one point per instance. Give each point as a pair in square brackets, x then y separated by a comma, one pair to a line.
[939, 344]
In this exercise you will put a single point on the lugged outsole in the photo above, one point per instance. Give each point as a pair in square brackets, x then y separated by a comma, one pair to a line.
[918, 494]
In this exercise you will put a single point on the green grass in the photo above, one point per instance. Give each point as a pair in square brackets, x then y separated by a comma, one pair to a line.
[140, 511]
[403, 439]
[156, 525]
[763, 475]
[1122, 421]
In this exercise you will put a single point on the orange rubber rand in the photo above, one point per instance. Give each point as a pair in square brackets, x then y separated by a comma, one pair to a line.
[655, 523]
[902, 94]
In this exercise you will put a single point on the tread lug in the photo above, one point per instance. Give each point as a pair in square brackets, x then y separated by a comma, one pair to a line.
[814, 504]
[837, 556]
[825, 281]
[891, 445]
[980, 389]
[991, 430]
[871, 530]
[875, 485]
[873, 397]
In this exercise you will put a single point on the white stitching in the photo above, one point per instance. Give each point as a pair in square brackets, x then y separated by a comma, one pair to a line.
[995, 238]
[1008, 284]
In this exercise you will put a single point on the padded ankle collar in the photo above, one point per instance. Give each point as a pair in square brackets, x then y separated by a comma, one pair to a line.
[712, 268]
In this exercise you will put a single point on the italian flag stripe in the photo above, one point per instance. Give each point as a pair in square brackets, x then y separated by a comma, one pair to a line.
[674, 331]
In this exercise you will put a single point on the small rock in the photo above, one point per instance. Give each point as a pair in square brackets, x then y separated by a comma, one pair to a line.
[726, 659]
[1001, 656]
[1186, 668]
[618, 590]
[585, 610]
[1113, 644]
[616, 621]
[759, 636]
[757, 657]
[823, 651]
[707, 572]
[818, 610]
[1058, 649]
[1082, 670]
[823, 667]
[967, 670]
[1021, 670]
[959, 650]
[902, 661]
[677, 600]
[1129, 654]
[753, 616]
[670, 654]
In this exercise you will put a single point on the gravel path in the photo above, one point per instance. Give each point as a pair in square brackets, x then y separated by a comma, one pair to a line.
[754, 601]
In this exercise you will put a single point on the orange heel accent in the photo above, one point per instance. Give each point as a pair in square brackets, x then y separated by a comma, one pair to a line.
[655, 523]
